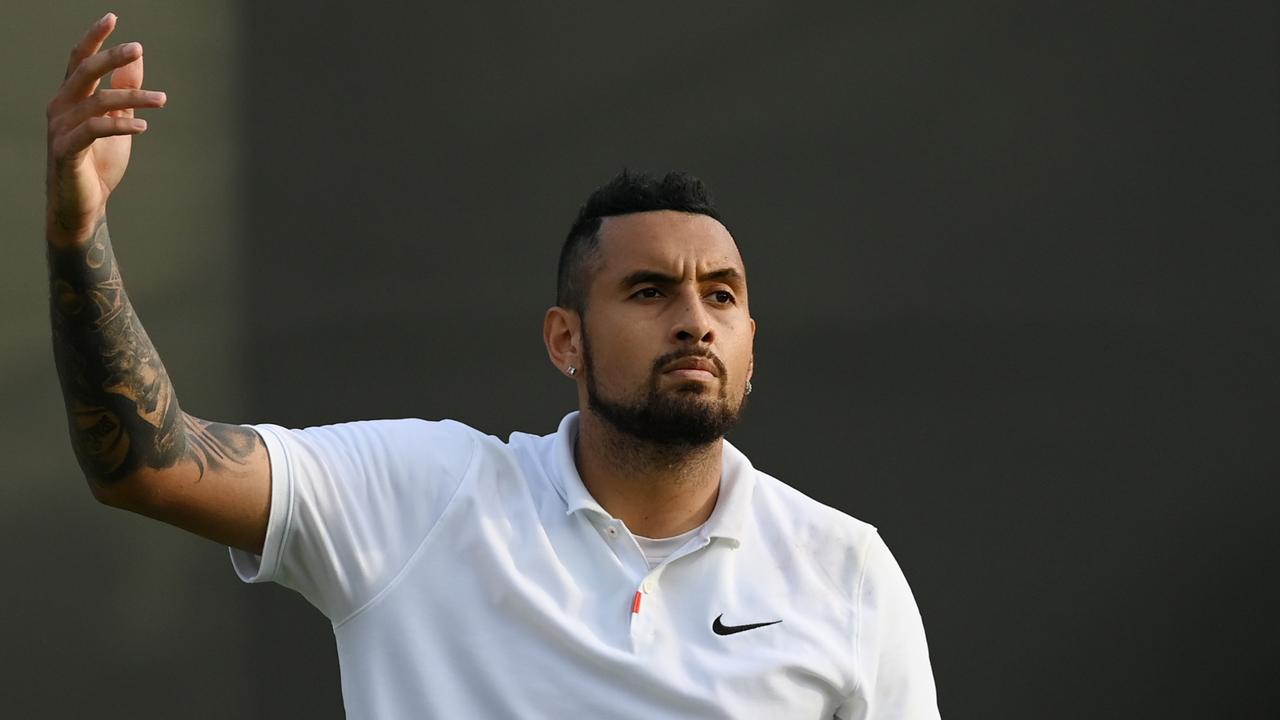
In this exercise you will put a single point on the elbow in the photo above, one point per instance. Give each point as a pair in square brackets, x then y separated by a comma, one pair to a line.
[125, 493]
[107, 492]
[120, 487]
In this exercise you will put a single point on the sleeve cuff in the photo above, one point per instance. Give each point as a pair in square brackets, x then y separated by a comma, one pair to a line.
[253, 568]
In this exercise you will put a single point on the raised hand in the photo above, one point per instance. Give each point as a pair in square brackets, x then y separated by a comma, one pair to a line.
[91, 132]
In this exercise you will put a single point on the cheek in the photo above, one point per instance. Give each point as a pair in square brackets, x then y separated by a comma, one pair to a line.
[620, 353]
[741, 366]
[736, 345]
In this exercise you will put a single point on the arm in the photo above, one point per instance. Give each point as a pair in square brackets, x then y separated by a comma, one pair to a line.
[137, 448]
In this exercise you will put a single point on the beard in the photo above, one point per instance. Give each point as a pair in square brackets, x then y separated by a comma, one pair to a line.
[685, 415]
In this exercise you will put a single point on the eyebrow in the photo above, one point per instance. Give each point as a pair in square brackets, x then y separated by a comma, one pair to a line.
[729, 276]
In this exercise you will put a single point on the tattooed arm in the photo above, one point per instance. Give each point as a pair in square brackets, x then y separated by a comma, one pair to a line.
[137, 448]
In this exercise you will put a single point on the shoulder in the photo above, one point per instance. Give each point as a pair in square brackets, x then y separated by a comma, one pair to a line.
[836, 544]
[381, 447]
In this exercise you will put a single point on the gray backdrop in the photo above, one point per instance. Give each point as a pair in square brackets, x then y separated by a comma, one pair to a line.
[1014, 269]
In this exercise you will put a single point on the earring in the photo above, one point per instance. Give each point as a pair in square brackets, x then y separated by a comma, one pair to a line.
[748, 387]
[572, 371]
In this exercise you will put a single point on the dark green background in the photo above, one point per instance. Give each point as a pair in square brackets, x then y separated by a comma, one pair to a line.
[1014, 267]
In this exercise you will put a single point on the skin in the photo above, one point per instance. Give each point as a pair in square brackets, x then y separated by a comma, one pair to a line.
[698, 308]
[137, 448]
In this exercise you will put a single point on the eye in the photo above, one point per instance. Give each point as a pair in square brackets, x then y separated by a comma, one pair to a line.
[648, 293]
[724, 297]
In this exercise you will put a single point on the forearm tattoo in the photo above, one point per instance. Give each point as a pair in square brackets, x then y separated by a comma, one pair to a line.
[121, 407]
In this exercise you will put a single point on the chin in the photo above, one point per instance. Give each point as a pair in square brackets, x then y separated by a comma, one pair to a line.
[693, 387]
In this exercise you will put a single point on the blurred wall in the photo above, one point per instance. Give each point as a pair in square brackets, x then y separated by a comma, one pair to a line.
[107, 614]
[1014, 268]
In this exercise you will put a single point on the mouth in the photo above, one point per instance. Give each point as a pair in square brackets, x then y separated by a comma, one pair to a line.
[693, 367]
[692, 374]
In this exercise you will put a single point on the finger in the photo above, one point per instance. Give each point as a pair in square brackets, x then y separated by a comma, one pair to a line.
[90, 42]
[84, 79]
[128, 77]
[79, 139]
[118, 103]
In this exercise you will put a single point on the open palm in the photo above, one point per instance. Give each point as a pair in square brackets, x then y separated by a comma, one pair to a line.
[91, 130]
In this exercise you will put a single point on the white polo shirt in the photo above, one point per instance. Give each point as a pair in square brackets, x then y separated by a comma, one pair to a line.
[466, 577]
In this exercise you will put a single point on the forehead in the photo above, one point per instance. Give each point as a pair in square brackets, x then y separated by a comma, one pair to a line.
[667, 240]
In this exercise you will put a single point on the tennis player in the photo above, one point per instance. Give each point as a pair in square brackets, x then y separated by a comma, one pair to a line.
[631, 564]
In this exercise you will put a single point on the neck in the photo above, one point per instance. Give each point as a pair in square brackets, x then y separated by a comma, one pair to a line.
[658, 491]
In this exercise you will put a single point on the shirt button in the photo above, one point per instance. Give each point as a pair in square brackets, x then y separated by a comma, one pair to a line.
[648, 585]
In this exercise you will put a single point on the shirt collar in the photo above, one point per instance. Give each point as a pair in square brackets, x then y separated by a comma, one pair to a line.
[737, 481]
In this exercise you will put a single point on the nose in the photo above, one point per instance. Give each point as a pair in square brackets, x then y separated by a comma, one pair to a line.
[692, 323]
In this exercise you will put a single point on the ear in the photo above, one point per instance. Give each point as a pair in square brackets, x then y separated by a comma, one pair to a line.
[751, 364]
[561, 332]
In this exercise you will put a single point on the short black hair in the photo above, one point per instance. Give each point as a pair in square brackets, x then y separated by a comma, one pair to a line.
[627, 192]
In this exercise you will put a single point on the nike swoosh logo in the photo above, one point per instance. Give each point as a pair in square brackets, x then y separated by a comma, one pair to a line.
[722, 629]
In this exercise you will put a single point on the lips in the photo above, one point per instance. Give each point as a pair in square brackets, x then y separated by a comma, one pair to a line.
[693, 363]
[693, 367]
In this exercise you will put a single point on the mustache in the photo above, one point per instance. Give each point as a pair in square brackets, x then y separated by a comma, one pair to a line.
[675, 355]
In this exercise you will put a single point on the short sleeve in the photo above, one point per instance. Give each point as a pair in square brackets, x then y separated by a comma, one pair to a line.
[890, 649]
[351, 503]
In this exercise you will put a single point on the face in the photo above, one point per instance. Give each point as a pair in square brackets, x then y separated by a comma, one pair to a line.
[667, 334]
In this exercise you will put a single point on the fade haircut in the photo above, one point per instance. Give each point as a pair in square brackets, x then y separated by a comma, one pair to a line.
[628, 192]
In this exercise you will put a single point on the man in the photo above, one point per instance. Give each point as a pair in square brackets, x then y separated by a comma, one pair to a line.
[632, 564]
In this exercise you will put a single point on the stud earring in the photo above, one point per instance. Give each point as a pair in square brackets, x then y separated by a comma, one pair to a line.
[572, 371]
[748, 387]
